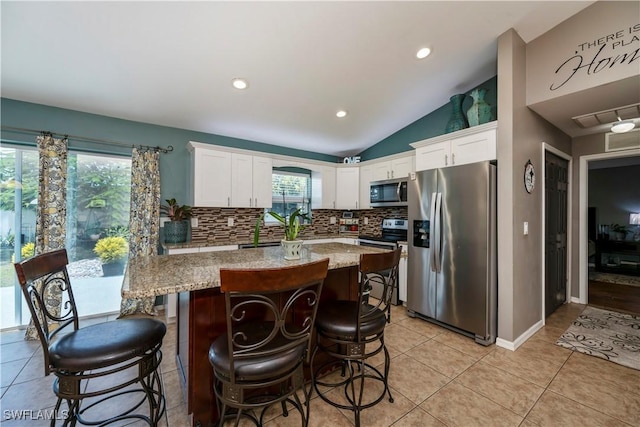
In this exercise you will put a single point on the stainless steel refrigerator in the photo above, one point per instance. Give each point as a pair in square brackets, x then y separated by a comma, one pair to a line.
[452, 271]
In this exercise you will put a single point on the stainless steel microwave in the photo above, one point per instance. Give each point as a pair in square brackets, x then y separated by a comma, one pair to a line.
[390, 192]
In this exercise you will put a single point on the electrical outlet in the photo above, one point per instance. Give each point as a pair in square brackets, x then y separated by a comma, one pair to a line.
[332, 220]
[525, 228]
[194, 222]
[366, 220]
[230, 221]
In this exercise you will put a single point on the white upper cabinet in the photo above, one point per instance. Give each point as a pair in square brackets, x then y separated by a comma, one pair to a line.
[366, 176]
[250, 181]
[433, 156]
[210, 178]
[474, 148]
[241, 180]
[470, 145]
[348, 187]
[396, 168]
[223, 179]
[262, 171]
[380, 171]
[402, 167]
[323, 187]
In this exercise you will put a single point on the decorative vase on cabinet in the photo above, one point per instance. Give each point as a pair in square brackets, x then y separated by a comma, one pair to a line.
[457, 120]
[480, 111]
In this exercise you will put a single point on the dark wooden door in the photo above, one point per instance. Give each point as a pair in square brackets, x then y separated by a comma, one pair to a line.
[556, 185]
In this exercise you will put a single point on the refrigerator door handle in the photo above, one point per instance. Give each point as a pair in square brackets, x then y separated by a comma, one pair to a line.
[432, 253]
[438, 231]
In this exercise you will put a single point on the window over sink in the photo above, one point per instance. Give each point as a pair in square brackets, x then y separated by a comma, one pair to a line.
[290, 189]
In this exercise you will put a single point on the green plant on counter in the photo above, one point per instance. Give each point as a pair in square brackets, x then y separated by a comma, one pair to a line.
[292, 224]
[176, 212]
[111, 249]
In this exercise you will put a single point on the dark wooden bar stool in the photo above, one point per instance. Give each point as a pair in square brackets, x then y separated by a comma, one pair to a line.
[350, 332]
[97, 352]
[259, 361]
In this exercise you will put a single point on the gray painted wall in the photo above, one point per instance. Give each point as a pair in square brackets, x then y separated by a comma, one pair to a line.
[521, 133]
[605, 33]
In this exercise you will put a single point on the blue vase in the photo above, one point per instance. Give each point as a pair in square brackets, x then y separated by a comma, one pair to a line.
[480, 111]
[457, 120]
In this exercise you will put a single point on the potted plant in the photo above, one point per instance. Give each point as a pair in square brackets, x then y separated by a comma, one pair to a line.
[292, 227]
[619, 231]
[176, 230]
[112, 252]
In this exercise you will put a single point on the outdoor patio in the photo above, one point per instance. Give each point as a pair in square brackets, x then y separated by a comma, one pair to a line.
[95, 294]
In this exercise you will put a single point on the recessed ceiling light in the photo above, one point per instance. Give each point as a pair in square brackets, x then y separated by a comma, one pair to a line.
[423, 53]
[622, 126]
[240, 83]
[341, 113]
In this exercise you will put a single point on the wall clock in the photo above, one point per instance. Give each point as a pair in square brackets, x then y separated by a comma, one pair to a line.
[529, 176]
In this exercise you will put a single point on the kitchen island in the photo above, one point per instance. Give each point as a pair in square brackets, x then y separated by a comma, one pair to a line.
[201, 310]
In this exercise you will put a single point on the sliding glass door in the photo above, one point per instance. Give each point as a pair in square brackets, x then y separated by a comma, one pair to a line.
[98, 197]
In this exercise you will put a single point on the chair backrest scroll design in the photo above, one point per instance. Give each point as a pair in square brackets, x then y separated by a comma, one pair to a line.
[270, 311]
[39, 277]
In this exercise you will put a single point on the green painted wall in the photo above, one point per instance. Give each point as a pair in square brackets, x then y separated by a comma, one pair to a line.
[433, 124]
[174, 166]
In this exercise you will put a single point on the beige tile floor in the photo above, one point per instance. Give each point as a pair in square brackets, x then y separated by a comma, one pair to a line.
[438, 378]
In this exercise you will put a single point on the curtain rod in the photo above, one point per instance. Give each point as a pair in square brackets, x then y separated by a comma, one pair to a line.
[87, 139]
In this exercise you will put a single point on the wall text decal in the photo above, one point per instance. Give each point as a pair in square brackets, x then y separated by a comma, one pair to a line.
[623, 46]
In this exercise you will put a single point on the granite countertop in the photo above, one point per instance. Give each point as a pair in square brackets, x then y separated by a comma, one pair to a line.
[168, 274]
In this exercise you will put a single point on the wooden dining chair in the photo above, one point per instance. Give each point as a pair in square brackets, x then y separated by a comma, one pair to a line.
[90, 362]
[259, 361]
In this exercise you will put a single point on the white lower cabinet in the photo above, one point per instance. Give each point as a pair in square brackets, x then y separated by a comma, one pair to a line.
[402, 274]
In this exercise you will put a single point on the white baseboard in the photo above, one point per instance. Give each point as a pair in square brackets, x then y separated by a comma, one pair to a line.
[575, 300]
[513, 345]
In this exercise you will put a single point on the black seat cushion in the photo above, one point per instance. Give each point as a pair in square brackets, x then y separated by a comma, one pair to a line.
[271, 364]
[340, 319]
[105, 344]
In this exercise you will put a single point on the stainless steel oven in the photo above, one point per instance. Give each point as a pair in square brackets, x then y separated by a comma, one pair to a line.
[393, 231]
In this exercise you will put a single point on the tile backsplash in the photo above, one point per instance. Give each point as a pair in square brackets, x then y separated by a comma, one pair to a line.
[213, 224]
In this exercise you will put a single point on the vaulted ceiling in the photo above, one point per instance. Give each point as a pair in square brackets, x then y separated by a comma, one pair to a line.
[172, 63]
